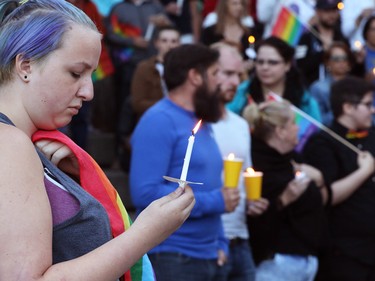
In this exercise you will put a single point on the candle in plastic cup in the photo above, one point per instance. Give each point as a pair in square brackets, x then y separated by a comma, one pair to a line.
[253, 184]
[232, 170]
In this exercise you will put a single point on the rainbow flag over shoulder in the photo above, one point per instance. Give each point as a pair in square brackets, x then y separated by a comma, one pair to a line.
[95, 182]
[288, 27]
[307, 125]
[124, 30]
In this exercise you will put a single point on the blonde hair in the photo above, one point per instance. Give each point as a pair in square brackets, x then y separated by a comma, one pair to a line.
[265, 117]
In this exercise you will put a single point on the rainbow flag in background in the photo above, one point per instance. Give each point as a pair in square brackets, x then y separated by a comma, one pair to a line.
[288, 27]
[124, 30]
[307, 125]
[306, 130]
[96, 183]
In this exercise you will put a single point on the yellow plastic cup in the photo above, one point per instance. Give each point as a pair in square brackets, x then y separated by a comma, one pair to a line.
[232, 172]
[253, 185]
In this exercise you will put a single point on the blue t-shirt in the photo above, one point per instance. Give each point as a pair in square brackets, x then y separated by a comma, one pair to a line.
[159, 145]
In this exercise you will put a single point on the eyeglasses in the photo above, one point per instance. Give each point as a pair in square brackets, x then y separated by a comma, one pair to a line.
[338, 58]
[269, 62]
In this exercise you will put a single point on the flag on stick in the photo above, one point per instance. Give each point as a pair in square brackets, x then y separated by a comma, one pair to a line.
[308, 126]
[288, 27]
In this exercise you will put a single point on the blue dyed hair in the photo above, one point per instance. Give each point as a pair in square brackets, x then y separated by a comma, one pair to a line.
[34, 30]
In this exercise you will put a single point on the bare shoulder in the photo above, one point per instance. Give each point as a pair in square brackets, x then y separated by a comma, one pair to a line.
[16, 148]
[25, 212]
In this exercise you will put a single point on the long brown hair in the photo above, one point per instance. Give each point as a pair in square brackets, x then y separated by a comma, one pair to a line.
[222, 13]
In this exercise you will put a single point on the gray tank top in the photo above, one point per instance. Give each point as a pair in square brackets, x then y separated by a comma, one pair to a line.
[88, 229]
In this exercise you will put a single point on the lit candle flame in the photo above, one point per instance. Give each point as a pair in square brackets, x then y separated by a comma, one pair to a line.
[340, 5]
[196, 128]
[357, 44]
[251, 39]
[298, 174]
[250, 171]
[373, 70]
[231, 156]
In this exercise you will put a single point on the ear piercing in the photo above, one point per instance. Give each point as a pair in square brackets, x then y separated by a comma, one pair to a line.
[25, 76]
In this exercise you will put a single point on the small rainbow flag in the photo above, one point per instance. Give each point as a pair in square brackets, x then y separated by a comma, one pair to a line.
[124, 30]
[95, 182]
[288, 27]
[306, 130]
[306, 124]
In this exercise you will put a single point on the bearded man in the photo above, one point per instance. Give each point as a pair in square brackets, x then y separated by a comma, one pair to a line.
[158, 148]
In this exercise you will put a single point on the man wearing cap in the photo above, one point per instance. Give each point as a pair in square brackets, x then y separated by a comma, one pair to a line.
[319, 38]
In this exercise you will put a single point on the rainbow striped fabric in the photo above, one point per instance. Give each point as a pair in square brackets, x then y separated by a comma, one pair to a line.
[288, 27]
[307, 125]
[95, 182]
[306, 130]
[125, 31]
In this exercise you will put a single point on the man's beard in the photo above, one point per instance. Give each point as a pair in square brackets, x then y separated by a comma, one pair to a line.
[207, 104]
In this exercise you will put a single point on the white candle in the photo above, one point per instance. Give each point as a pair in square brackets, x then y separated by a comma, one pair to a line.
[189, 150]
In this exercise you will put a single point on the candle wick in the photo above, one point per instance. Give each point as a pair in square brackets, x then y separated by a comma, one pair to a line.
[192, 133]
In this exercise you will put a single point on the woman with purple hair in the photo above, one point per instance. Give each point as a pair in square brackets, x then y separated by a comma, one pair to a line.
[51, 228]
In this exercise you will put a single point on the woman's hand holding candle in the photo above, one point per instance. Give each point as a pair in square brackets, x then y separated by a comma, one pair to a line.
[253, 184]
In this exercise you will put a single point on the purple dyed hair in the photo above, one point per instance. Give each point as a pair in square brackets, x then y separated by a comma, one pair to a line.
[34, 30]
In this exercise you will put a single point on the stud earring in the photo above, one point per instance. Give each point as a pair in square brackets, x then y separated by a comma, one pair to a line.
[25, 76]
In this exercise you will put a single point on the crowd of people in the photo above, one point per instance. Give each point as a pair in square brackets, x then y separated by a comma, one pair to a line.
[149, 71]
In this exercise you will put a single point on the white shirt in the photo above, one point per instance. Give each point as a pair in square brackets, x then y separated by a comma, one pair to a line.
[232, 135]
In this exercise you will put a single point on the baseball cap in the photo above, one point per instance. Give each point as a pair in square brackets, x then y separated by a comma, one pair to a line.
[326, 4]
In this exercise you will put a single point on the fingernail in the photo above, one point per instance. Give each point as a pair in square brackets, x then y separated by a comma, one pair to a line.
[179, 190]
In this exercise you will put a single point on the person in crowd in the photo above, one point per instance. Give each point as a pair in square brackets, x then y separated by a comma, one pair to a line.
[353, 15]
[239, 264]
[350, 176]
[338, 61]
[51, 228]
[286, 238]
[368, 34]
[147, 88]
[187, 18]
[229, 26]
[211, 19]
[129, 33]
[148, 85]
[274, 73]
[314, 42]
[159, 144]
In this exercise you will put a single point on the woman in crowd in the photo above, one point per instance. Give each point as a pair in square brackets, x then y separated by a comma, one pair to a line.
[286, 237]
[274, 73]
[52, 229]
[338, 60]
[229, 26]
